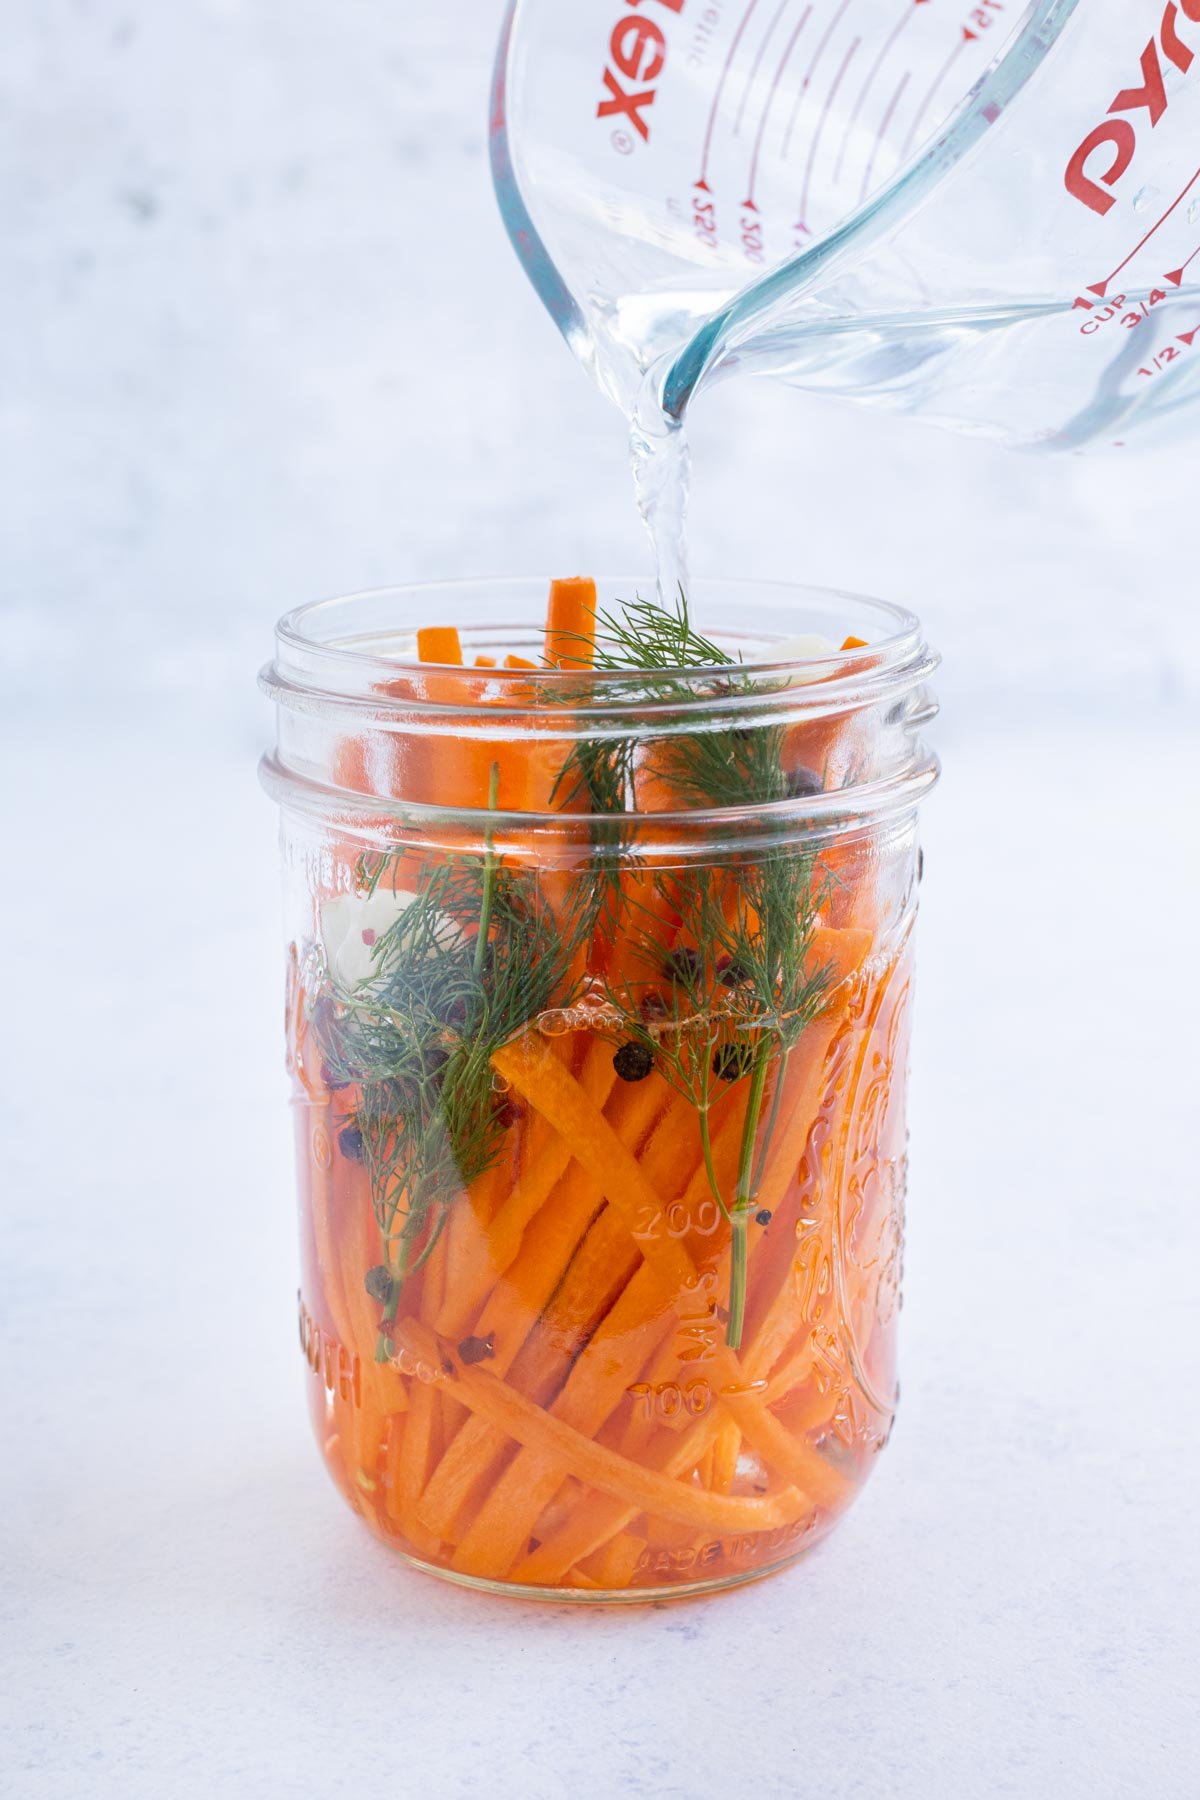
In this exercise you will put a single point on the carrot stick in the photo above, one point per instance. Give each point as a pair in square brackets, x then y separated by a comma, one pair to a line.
[571, 623]
[493, 1252]
[613, 1567]
[725, 1455]
[435, 1362]
[591, 1526]
[620, 1346]
[439, 644]
[518, 662]
[470, 1216]
[552, 1258]
[670, 1272]
[586, 1528]
[795, 1459]
[502, 1525]
[418, 1441]
[485, 662]
[393, 1462]
[421, 1432]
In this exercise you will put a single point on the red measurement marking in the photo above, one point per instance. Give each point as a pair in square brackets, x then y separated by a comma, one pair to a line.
[865, 89]
[818, 53]
[1112, 311]
[830, 97]
[1175, 276]
[1100, 288]
[884, 123]
[1131, 320]
[928, 101]
[1169, 353]
[756, 65]
[724, 76]
[762, 124]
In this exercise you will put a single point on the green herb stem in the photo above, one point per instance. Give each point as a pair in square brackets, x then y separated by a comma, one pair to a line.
[489, 880]
[706, 1148]
[772, 1121]
[744, 1196]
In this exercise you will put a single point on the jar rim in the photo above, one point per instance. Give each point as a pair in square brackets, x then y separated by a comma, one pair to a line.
[349, 664]
[313, 666]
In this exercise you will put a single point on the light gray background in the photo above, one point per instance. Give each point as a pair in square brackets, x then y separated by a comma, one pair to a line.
[261, 338]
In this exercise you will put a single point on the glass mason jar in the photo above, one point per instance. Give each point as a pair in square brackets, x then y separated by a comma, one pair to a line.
[598, 1001]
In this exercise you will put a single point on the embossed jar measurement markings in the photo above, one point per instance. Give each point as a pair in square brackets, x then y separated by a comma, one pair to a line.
[668, 1400]
[329, 1359]
[745, 1548]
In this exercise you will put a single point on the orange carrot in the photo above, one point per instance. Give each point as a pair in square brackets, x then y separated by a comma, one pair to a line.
[493, 1251]
[666, 1161]
[502, 1527]
[435, 1362]
[550, 1260]
[393, 1462]
[583, 1529]
[439, 644]
[571, 623]
[855, 643]
[613, 1567]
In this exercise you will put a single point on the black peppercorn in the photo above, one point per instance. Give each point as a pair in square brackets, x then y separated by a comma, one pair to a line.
[378, 1284]
[633, 1061]
[685, 966]
[478, 1349]
[350, 1143]
[732, 1061]
[763, 1215]
[733, 973]
[802, 783]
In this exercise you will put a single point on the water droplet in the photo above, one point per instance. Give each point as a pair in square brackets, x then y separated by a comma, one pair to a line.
[1193, 212]
[1145, 197]
[552, 1024]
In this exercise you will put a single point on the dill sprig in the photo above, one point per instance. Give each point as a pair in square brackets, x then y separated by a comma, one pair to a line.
[646, 635]
[732, 1008]
[476, 953]
[725, 765]
[468, 964]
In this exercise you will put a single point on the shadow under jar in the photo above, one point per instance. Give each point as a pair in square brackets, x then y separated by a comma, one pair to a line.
[598, 999]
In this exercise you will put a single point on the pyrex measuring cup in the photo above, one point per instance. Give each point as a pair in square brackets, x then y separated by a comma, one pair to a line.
[986, 214]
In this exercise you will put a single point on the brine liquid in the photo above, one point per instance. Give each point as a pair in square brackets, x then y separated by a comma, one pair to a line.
[661, 461]
[613, 1349]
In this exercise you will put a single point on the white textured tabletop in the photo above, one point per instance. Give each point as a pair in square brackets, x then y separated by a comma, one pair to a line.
[264, 340]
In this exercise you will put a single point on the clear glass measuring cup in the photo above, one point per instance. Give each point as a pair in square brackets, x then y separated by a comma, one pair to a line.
[981, 212]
